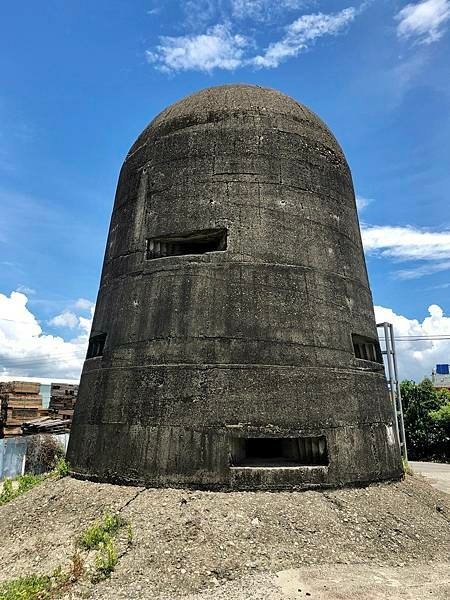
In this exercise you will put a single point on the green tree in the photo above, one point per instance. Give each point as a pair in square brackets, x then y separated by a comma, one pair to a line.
[426, 420]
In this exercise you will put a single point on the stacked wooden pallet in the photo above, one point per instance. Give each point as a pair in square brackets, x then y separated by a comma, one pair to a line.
[21, 401]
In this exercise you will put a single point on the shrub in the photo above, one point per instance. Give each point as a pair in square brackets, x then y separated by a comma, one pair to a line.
[43, 453]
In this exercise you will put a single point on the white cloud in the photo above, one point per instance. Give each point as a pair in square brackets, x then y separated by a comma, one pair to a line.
[25, 350]
[424, 20]
[218, 48]
[429, 268]
[362, 203]
[65, 319]
[263, 10]
[84, 304]
[26, 290]
[301, 34]
[417, 358]
[404, 244]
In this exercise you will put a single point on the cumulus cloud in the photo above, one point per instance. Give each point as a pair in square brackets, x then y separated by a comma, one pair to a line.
[417, 357]
[65, 319]
[84, 304]
[26, 350]
[430, 248]
[423, 21]
[301, 34]
[218, 48]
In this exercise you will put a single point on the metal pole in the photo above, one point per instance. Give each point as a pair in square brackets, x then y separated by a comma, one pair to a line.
[399, 397]
[390, 366]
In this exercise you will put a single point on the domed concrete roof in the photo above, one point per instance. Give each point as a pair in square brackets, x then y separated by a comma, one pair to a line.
[219, 103]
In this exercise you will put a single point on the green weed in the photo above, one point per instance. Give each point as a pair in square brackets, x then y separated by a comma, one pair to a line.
[101, 531]
[12, 488]
[31, 587]
[61, 467]
[105, 561]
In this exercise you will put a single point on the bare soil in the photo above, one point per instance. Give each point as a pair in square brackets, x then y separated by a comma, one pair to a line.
[388, 540]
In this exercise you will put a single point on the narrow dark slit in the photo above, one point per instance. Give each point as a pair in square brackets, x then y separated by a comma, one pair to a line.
[199, 242]
[279, 452]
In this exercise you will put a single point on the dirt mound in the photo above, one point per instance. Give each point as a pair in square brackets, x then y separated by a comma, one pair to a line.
[184, 541]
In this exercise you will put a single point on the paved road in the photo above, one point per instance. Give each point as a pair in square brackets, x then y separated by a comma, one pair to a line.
[437, 473]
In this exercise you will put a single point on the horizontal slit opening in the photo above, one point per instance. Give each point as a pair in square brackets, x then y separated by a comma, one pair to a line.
[96, 345]
[279, 452]
[366, 348]
[199, 242]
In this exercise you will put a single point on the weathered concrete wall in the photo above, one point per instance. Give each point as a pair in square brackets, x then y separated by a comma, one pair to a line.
[253, 341]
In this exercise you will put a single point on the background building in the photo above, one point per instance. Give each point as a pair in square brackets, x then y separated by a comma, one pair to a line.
[440, 376]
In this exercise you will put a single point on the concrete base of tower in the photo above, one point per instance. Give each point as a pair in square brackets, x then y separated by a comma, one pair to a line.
[218, 427]
[238, 457]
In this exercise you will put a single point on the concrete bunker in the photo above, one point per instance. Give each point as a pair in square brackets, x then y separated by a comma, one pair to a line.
[241, 348]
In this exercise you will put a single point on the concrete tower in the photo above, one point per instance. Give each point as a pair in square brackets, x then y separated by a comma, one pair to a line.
[234, 342]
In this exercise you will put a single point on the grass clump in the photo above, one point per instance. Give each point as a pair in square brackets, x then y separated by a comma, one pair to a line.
[100, 536]
[12, 488]
[42, 587]
[105, 561]
[31, 587]
[101, 532]
[16, 486]
[61, 467]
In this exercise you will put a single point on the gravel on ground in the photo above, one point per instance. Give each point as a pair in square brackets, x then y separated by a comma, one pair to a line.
[249, 545]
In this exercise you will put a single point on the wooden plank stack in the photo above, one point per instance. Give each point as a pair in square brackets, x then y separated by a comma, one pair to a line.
[21, 401]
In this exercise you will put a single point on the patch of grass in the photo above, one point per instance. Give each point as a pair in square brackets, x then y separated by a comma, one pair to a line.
[101, 532]
[100, 536]
[16, 486]
[61, 467]
[12, 488]
[42, 587]
[31, 587]
[105, 561]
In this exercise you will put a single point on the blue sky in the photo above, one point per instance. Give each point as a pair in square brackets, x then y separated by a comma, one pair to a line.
[80, 80]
